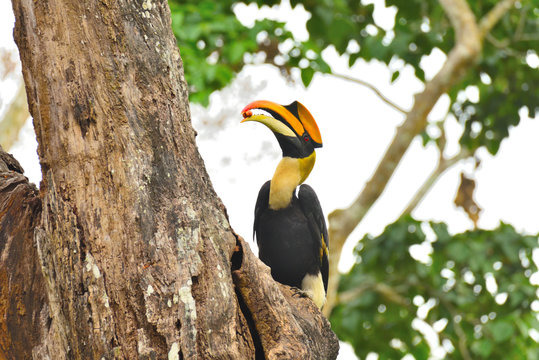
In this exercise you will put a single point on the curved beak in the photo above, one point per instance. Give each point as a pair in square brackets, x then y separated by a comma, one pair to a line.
[289, 120]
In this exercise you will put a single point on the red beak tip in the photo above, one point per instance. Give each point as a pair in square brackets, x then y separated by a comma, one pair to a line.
[247, 108]
[247, 114]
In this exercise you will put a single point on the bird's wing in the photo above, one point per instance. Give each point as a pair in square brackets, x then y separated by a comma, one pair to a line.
[261, 203]
[317, 224]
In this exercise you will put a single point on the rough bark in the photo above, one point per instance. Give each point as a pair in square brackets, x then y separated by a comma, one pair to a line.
[23, 309]
[469, 37]
[299, 320]
[133, 244]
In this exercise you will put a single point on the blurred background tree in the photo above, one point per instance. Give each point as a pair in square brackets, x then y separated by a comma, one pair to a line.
[16, 112]
[471, 297]
[415, 289]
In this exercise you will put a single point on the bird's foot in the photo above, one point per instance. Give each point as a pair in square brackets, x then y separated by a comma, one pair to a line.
[299, 293]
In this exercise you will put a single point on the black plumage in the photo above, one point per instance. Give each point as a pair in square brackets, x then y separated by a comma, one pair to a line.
[292, 241]
[290, 228]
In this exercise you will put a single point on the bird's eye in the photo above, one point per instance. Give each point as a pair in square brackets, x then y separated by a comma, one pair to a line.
[306, 138]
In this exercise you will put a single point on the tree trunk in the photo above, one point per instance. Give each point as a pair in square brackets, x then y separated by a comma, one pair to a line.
[24, 313]
[133, 250]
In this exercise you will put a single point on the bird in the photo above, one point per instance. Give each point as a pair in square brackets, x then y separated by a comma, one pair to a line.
[289, 224]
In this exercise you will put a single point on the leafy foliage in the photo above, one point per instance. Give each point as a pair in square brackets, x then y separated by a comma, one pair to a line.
[505, 80]
[212, 44]
[215, 46]
[474, 289]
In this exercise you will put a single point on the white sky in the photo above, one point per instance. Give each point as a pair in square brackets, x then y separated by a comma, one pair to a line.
[356, 128]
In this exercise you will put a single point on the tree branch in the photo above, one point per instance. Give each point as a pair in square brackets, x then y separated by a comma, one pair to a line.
[494, 15]
[388, 292]
[521, 22]
[443, 165]
[529, 37]
[500, 44]
[462, 338]
[460, 59]
[373, 88]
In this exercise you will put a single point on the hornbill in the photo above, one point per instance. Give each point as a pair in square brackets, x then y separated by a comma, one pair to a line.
[290, 229]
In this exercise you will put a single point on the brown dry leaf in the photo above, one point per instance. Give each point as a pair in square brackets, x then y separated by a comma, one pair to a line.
[465, 200]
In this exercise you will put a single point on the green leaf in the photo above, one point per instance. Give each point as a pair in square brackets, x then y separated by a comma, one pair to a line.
[307, 76]
[425, 138]
[458, 251]
[236, 51]
[482, 347]
[389, 283]
[353, 58]
[420, 351]
[501, 330]
[395, 75]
